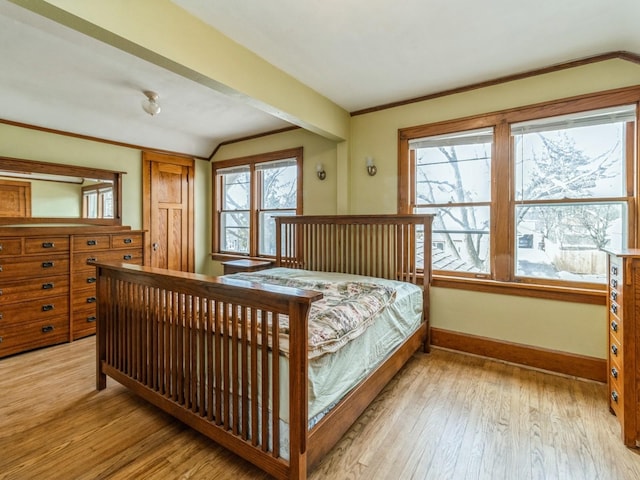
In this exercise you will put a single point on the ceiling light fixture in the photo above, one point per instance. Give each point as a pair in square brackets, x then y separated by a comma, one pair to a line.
[150, 104]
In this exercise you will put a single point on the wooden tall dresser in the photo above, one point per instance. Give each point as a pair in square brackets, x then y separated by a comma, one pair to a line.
[623, 302]
[47, 289]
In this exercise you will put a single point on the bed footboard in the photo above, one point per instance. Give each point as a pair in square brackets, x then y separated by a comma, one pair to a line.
[193, 346]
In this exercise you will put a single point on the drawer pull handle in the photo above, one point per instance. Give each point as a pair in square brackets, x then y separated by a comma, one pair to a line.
[48, 244]
[91, 299]
[0, 247]
[0, 291]
[91, 280]
[127, 257]
[91, 319]
[92, 260]
[614, 283]
[47, 264]
[0, 268]
[47, 308]
[92, 243]
[47, 328]
[47, 286]
[614, 396]
[614, 295]
[1, 316]
[614, 270]
[614, 350]
[614, 326]
[614, 308]
[0, 339]
[128, 241]
[614, 372]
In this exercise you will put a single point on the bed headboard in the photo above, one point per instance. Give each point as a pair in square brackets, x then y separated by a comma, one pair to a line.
[385, 246]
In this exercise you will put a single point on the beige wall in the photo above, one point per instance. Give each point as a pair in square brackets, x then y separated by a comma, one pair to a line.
[564, 326]
[31, 144]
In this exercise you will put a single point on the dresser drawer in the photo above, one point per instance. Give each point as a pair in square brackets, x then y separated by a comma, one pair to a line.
[84, 278]
[615, 328]
[11, 246]
[82, 243]
[615, 349]
[36, 309]
[46, 245]
[34, 334]
[36, 266]
[28, 289]
[127, 240]
[84, 322]
[86, 261]
[84, 298]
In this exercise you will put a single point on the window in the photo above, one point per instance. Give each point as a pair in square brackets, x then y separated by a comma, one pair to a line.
[250, 192]
[523, 197]
[97, 201]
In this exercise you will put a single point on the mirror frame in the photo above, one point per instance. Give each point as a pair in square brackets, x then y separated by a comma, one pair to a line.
[21, 165]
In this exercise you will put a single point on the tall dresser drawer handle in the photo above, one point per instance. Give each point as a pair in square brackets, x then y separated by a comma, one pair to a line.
[127, 257]
[614, 372]
[47, 264]
[0, 268]
[91, 319]
[92, 260]
[614, 350]
[0, 339]
[47, 286]
[614, 295]
[614, 283]
[0, 247]
[91, 299]
[614, 396]
[47, 328]
[48, 244]
[0, 292]
[128, 241]
[614, 326]
[92, 243]
[91, 279]
[47, 308]
[614, 308]
[1, 316]
[614, 270]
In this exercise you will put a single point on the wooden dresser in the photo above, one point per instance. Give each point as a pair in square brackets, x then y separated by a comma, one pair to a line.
[623, 302]
[47, 281]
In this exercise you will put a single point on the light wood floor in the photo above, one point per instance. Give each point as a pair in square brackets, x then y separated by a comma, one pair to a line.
[445, 416]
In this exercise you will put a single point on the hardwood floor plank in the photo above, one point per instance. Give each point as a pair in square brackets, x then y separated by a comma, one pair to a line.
[444, 416]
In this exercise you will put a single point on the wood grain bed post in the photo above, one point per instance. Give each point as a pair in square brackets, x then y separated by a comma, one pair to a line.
[101, 342]
[298, 394]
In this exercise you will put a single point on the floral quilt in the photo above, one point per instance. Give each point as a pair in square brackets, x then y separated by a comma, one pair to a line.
[345, 311]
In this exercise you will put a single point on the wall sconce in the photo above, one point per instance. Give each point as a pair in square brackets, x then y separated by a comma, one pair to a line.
[150, 104]
[371, 168]
[320, 171]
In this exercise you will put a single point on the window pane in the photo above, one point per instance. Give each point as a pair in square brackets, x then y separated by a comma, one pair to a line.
[234, 232]
[580, 157]
[236, 190]
[91, 199]
[453, 169]
[279, 187]
[460, 238]
[267, 240]
[565, 242]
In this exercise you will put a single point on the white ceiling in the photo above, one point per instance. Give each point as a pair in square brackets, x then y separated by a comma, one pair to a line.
[358, 53]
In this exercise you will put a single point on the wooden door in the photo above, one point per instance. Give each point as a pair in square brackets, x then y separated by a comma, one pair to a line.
[15, 199]
[168, 211]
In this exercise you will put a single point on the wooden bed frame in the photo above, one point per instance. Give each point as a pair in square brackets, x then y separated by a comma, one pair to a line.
[191, 344]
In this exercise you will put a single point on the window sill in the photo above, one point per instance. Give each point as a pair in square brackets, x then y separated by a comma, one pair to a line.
[225, 257]
[595, 296]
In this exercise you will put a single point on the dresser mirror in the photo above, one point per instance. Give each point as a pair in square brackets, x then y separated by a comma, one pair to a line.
[33, 192]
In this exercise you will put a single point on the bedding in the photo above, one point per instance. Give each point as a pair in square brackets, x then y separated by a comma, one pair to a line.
[383, 312]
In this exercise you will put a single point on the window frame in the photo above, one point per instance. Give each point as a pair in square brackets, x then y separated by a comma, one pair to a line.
[255, 196]
[502, 278]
